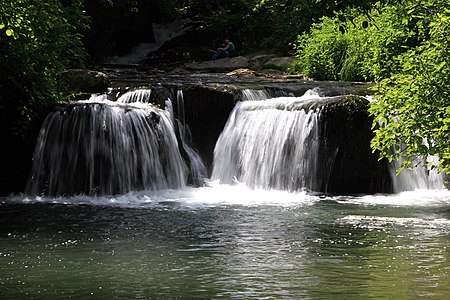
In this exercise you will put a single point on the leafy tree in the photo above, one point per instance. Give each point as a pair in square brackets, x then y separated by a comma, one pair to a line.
[412, 114]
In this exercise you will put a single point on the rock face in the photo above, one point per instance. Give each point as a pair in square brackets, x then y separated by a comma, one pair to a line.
[257, 62]
[83, 81]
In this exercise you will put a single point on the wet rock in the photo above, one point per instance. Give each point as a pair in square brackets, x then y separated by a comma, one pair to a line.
[242, 72]
[83, 81]
[206, 111]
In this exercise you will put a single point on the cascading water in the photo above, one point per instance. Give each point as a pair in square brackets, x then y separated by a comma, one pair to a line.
[419, 177]
[101, 147]
[269, 144]
[254, 95]
[197, 169]
[162, 33]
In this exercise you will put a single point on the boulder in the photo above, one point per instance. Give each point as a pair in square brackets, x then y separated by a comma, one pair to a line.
[257, 62]
[220, 65]
[83, 81]
[279, 63]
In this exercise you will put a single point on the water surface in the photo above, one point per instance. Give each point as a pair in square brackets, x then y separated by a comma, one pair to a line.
[226, 242]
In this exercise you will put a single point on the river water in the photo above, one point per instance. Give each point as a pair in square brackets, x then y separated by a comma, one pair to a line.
[226, 242]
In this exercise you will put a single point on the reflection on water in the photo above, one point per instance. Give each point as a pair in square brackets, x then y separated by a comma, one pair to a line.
[226, 242]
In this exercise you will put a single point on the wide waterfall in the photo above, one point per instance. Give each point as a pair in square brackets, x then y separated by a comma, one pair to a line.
[102, 147]
[269, 144]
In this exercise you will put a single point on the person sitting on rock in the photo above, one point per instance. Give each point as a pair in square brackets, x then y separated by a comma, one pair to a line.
[227, 50]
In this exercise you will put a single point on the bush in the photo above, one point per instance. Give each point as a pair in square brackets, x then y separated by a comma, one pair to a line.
[412, 114]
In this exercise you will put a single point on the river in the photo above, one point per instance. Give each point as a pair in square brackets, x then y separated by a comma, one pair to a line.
[226, 242]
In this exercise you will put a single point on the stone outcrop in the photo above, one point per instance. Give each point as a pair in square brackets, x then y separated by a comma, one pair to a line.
[257, 62]
[83, 81]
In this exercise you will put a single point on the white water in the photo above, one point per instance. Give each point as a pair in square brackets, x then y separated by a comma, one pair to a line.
[103, 147]
[162, 33]
[269, 144]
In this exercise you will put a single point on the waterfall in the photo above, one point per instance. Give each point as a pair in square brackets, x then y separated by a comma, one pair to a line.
[263, 94]
[197, 169]
[101, 147]
[269, 144]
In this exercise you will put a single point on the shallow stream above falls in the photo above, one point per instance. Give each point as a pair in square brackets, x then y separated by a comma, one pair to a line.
[260, 228]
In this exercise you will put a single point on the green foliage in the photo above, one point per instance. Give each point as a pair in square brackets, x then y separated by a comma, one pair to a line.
[320, 54]
[38, 39]
[412, 114]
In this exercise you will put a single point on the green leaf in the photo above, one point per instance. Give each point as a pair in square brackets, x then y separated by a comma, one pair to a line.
[9, 32]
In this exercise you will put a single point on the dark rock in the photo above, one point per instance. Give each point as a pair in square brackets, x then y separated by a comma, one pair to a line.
[349, 167]
[83, 81]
